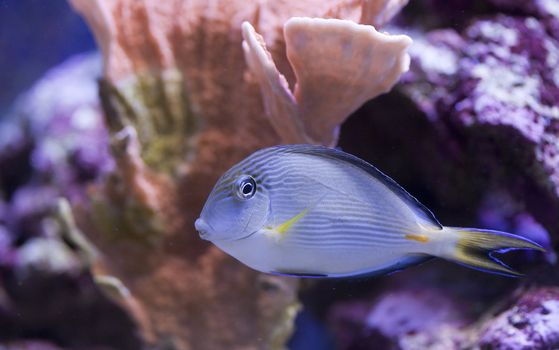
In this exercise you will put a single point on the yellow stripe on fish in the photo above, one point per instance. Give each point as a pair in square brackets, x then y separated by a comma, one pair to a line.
[284, 227]
[418, 238]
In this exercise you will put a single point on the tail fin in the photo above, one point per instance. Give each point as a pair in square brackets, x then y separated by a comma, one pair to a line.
[474, 247]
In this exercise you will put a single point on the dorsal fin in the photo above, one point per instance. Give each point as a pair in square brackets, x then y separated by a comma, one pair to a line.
[422, 211]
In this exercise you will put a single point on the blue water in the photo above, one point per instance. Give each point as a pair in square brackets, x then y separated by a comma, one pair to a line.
[34, 36]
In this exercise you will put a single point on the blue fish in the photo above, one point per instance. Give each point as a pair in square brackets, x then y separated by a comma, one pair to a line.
[312, 211]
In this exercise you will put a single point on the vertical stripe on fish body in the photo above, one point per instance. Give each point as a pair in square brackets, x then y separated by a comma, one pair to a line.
[313, 211]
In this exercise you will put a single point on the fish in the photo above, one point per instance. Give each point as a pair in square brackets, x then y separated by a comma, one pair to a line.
[318, 212]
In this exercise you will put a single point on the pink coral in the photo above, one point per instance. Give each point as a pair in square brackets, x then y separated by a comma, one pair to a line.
[181, 108]
[332, 80]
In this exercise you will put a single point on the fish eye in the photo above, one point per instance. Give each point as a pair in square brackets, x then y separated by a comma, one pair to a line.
[245, 187]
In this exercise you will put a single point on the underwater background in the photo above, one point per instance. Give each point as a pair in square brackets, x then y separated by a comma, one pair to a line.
[117, 117]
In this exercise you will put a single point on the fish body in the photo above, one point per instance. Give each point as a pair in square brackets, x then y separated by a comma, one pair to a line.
[313, 211]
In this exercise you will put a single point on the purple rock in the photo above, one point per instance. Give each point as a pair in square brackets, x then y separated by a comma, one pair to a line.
[507, 76]
[491, 92]
[459, 13]
[531, 323]
[403, 312]
[547, 10]
[15, 148]
[62, 119]
[54, 144]
[30, 205]
[395, 318]
[479, 144]
[509, 85]
[435, 63]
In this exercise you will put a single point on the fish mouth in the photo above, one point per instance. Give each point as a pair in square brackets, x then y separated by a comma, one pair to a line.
[203, 228]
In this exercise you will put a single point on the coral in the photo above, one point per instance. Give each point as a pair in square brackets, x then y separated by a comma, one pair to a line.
[179, 109]
[332, 81]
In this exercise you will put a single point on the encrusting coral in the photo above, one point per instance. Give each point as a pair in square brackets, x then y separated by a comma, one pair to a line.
[181, 107]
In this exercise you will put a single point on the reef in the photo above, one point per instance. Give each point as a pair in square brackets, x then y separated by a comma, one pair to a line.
[122, 177]
[108, 159]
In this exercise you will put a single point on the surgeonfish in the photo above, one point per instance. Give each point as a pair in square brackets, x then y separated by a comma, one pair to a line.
[312, 211]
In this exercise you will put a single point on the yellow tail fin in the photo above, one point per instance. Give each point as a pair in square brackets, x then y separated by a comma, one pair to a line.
[474, 247]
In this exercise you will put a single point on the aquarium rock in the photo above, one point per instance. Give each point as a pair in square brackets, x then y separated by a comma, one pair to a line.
[495, 89]
[53, 144]
[393, 316]
[532, 322]
[478, 111]
[60, 117]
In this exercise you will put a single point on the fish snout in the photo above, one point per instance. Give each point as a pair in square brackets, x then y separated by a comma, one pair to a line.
[203, 228]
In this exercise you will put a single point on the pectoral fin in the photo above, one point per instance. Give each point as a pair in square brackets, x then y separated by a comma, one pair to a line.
[283, 228]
